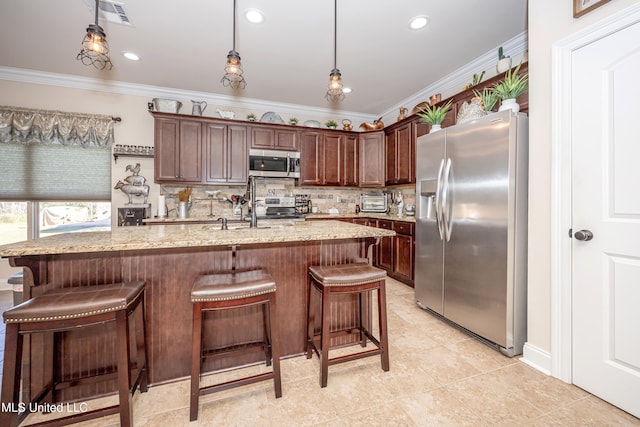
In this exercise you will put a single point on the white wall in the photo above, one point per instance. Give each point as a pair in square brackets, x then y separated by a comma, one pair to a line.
[549, 22]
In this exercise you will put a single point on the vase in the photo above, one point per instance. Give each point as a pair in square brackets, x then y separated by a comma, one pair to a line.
[509, 104]
[435, 128]
[503, 65]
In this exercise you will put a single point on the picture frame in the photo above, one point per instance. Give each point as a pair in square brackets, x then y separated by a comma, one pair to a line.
[580, 7]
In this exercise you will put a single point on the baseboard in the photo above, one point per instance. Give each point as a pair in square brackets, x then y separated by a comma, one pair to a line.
[536, 358]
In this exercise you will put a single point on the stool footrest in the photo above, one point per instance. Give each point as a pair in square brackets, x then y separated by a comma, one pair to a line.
[238, 348]
[355, 356]
[236, 383]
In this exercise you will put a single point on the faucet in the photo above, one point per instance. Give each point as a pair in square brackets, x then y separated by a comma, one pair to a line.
[251, 189]
[224, 223]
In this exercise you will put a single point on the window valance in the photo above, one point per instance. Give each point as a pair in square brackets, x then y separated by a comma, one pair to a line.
[29, 126]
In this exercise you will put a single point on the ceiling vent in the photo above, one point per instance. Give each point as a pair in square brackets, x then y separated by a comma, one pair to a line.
[111, 11]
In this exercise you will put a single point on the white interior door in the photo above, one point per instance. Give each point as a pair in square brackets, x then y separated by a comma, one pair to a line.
[605, 135]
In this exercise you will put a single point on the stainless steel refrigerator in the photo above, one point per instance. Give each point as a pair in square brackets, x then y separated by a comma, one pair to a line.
[471, 227]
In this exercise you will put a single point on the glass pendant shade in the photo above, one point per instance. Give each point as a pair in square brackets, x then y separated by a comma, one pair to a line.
[95, 49]
[233, 72]
[335, 92]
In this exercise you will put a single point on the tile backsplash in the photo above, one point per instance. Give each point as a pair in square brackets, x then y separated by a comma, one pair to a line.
[325, 198]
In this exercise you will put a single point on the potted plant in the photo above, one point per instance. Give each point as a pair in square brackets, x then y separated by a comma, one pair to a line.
[331, 124]
[504, 62]
[434, 115]
[293, 121]
[512, 86]
[488, 97]
[251, 117]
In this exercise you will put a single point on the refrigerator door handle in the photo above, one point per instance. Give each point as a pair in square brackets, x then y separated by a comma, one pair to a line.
[446, 212]
[439, 218]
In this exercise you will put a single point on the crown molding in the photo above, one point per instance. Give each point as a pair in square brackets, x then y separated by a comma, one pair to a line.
[148, 91]
[454, 82]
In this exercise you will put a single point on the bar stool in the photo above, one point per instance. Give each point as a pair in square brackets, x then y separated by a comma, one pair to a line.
[60, 310]
[330, 280]
[233, 290]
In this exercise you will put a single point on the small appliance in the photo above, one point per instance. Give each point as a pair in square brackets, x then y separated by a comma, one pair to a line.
[274, 164]
[374, 202]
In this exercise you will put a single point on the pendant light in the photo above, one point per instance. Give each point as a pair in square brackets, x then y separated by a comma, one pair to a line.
[233, 69]
[95, 49]
[335, 92]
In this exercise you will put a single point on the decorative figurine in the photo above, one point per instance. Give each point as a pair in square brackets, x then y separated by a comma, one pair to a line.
[134, 185]
[376, 125]
[403, 114]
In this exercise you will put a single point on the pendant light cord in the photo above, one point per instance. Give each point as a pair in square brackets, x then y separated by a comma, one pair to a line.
[234, 25]
[97, 6]
[335, 34]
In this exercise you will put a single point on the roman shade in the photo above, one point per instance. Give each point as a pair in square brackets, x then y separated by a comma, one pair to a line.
[54, 155]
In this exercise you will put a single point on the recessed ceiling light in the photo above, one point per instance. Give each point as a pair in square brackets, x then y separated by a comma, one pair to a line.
[131, 56]
[346, 90]
[419, 22]
[254, 16]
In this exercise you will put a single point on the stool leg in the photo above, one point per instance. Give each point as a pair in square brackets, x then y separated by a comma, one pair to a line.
[266, 333]
[325, 337]
[12, 370]
[363, 337]
[141, 347]
[275, 344]
[310, 320]
[124, 368]
[382, 319]
[196, 359]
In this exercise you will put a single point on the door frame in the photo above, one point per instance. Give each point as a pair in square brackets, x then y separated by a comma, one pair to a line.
[561, 255]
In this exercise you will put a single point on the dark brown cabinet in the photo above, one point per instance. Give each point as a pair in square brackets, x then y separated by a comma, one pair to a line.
[372, 159]
[349, 161]
[400, 145]
[178, 150]
[385, 248]
[328, 158]
[274, 138]
[311, 158]
[403, 251]
[226, 154]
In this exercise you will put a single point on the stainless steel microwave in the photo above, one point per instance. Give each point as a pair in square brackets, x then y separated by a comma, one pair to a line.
[273, 163]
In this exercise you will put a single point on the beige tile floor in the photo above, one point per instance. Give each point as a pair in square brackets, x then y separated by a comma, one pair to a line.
[439, 377]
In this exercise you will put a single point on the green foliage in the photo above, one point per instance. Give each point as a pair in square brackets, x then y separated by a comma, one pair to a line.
[513, 84]
[488, 96]
[434, 115]
[501, 54]
[331, 123]
[293, 120]
[251, 116]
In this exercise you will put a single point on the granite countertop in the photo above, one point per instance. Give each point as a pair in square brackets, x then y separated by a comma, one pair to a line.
[190, 235]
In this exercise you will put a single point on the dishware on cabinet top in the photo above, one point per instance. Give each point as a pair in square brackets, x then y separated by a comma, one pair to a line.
[198, 107]
[166, 105]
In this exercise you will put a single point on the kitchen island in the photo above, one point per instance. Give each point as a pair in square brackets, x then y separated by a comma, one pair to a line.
[168, 258]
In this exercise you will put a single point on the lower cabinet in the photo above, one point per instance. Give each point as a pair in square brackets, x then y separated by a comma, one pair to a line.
[385, 248]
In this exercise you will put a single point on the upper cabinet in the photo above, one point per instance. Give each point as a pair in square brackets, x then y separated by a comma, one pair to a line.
[371, 149]
[226, 154]
[186, 146]
[274, 138]
[178, 150]
[400, 143]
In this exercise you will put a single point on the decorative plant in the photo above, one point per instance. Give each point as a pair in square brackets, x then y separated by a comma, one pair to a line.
[293, 120]
[477, 78]
[513, 84]
[251, 116]
[501, 54]
[331, 124]
[434, 115]
[488, 96]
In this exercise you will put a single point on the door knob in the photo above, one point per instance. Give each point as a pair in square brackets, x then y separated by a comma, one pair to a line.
[584, 235]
